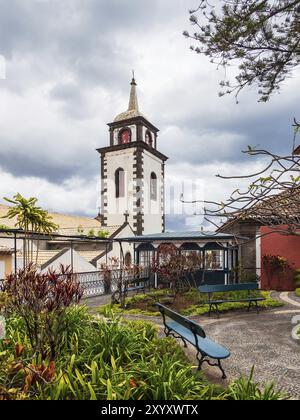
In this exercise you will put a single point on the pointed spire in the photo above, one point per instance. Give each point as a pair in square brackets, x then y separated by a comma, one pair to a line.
[133, 101]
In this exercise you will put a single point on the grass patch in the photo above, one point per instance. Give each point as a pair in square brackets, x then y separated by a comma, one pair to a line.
[190, 303]
[298, 292]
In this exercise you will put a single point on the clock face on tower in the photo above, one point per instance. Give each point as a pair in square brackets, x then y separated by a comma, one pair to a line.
[125, 137]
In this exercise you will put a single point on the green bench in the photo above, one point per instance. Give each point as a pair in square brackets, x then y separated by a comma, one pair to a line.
[189, 331]
[251, 299]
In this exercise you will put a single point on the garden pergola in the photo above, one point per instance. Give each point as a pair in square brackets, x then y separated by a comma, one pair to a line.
[219, 246]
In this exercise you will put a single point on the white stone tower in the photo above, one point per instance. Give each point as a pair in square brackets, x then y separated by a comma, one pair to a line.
[132, 172]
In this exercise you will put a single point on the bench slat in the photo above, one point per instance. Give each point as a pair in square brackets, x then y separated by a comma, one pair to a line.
[214, 288]
[219, 302]
[207, 346]
[182, 320]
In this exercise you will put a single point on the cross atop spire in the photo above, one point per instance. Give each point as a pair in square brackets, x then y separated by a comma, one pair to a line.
[133, 106]
[133, 101]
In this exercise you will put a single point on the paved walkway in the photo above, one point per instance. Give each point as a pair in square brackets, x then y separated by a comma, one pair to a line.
[290, 298]
[264, 341]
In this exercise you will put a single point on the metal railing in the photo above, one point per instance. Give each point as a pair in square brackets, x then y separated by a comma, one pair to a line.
[101, 283]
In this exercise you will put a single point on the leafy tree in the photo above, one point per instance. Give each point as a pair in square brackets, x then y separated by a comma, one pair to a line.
[176, 269]
[262, 36]
[31, 219]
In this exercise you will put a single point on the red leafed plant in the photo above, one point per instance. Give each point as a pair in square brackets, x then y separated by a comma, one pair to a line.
[176, 269]
[41, 300]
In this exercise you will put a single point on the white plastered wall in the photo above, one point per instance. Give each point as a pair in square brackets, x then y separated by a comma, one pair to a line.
[152, 208]
[115, 252]
[80, 265]
[117, 206]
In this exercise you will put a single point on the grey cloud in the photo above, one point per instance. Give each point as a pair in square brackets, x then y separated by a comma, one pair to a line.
[21, 164]
[65, 52]
[74, 103]
[217, 138]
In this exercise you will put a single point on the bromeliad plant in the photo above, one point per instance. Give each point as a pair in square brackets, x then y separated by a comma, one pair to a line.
[41, 301]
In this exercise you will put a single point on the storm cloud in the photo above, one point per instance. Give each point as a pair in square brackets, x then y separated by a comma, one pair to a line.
[68, 68]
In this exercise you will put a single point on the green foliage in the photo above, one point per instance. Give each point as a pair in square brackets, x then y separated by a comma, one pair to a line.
[108, 359]
[4, 227]
[80, 230]
[297, 277]
[230, 306]
[298, 292]
[103, 234]
[261, 37]
[191, 303]
[31, 219]
[246, 389]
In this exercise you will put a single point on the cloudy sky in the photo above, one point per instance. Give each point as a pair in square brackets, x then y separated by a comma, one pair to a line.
[68, 68]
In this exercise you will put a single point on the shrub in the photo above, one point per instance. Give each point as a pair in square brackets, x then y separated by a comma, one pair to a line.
[246, 389]
[189, 303]
[103, 234]
[41, 301]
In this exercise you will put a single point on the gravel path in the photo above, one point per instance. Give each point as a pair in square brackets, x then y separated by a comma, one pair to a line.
[293, 296]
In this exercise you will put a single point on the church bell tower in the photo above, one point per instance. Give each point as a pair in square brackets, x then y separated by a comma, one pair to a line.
[132, 172]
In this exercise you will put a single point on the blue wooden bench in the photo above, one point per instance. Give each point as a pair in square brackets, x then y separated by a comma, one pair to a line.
[189, 331]
[221, 288]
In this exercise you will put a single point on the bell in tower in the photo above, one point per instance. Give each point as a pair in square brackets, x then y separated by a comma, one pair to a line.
[132, 172]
